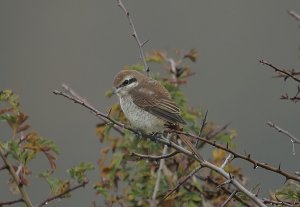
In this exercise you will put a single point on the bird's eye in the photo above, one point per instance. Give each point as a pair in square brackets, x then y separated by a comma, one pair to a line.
[125, 82]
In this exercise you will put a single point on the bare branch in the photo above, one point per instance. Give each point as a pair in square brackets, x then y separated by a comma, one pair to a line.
[154, 157]
[202, 127]
[135, 35]
[12, 172]
[228, 192]
[294, 14]
[48, 200]
[244, 157]
[116, 125]
[286, 73]
[170, 192]
[280, 203]
[7, 203]
[229, 198]
[294, 98]
[154, 202]
[226, 161]
[280, 130]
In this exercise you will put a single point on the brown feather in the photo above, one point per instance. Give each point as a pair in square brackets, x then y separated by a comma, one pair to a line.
[151, 96]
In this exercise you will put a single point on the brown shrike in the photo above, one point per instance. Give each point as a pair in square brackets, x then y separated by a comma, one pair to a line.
[147, 104]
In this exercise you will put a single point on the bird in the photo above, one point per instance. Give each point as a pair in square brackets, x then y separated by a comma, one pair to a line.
[148, 105]
[145, 102]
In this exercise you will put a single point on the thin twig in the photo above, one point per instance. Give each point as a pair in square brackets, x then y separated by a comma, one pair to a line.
[248, 158]
[228, 192]
[7, 203]
[16, 179]
[226, 161]
[280, 70]
[154, 202]
[116, 125]
[280, 130]
[170, 192]
[135, 35]
[48, 200]
[280, 203]
[294, 14]
[154, 157]
[218, 131]
[202, 128]
[229, 198]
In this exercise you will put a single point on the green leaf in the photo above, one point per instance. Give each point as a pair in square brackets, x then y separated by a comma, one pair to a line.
[8, 117]
[102, 191]
[78, 173]
[9, 97]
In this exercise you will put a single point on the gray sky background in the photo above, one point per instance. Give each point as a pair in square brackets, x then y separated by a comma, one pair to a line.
[84, 43]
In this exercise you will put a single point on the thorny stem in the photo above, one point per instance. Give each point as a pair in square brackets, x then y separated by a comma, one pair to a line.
[244, 157]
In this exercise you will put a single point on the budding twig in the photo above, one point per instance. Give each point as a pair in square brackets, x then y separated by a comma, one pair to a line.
[12, 172]
[286, 73]
[48, 200]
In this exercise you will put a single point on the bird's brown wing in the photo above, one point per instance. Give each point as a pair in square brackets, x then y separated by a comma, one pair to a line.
[158, 103]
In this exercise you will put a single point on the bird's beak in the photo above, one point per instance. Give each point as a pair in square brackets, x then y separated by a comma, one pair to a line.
[115, 91]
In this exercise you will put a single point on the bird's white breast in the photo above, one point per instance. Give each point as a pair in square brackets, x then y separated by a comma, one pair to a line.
[140, 118]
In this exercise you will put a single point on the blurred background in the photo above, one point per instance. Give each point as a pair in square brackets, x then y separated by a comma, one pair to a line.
[84, 43]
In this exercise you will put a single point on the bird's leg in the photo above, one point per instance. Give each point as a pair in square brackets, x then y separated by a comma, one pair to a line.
[138, 133]
[154, 135]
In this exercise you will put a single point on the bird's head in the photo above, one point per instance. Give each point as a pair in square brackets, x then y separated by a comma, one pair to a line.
[126, 80]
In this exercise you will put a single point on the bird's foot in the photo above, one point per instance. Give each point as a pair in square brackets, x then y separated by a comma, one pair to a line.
[153, 136]
[138, 134]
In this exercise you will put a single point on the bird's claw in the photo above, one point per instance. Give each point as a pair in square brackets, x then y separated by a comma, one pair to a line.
[138, 134]
[153, 136]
